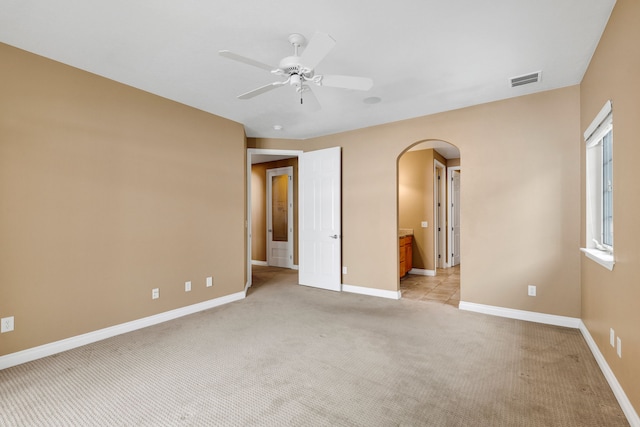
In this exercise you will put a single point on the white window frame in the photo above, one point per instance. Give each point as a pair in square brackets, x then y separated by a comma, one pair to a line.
[594, 136]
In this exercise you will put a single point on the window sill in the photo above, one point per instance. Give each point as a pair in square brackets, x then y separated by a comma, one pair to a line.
[604, 259]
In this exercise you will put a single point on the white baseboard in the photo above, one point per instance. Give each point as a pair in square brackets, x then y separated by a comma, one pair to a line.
[569, 322]
[295, 267]
[530, 316]
[45, 350]
[371, 291]
[421, 272]
[623, 400]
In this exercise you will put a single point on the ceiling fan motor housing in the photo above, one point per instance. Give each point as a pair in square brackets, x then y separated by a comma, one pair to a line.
[291, 65]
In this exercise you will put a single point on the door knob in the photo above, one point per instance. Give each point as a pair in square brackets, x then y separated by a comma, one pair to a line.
[335, 236]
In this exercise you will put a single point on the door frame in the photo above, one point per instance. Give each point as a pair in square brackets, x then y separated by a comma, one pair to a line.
[450, 169]
[287, 171]
[439, 214]
[251, 152]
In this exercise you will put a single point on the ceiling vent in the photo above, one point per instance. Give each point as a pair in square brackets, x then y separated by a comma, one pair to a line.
[526, 79]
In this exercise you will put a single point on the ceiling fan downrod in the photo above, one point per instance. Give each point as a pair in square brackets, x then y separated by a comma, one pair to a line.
[297, 40]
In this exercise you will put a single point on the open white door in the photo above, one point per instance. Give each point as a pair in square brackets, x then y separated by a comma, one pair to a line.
[455, 218]
[319, 239]
[439, 208]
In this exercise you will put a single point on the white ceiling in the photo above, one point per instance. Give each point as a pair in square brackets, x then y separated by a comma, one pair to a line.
[425, 56]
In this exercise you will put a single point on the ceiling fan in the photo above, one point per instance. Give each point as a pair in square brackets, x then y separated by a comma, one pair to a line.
[299, 70]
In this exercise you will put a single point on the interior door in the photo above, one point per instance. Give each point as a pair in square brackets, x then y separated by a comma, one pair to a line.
[280, 217]
[455, 218]
[439, 216]
[319, 228]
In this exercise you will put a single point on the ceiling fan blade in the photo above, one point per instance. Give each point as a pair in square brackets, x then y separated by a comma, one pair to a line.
[347, 82]
[261, 90]
[243, 59]
[319, 46]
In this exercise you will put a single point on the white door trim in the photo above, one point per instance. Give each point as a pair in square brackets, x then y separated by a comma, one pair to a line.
[450, 169]
[439, 213]
[288, 171]
[250, 153]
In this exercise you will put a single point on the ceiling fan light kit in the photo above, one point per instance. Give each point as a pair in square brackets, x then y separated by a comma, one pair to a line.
[295, 80]
[299, 69]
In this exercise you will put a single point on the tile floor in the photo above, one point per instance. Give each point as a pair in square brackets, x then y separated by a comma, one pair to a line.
[444, 287]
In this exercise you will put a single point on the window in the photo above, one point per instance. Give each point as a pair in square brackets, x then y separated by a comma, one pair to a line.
[599, 188]
[607, 189]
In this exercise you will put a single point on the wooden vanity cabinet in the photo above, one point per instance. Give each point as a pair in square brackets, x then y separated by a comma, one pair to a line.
[405, 249]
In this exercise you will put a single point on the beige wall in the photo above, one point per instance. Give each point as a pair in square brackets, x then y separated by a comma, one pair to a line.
[610, 298]
[259, 208]
[453, 162]
[258, 212]
[509, 238]
[108, 192]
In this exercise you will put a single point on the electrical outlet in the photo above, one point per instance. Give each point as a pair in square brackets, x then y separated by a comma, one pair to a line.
[6, 324]
[209, 281]
[532, 290]
[619, 349]
[155, 293]
[612, 337]
[187, 286]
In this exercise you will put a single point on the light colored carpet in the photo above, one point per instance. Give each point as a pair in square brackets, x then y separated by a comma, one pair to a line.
[291, 355]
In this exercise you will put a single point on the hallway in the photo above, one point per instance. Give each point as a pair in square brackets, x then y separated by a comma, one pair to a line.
[443, 288]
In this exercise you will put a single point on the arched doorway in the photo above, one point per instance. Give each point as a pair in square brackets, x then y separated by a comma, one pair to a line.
[428, 245]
